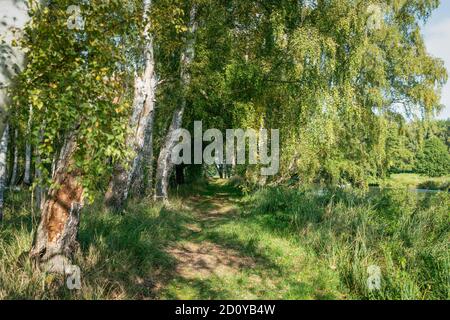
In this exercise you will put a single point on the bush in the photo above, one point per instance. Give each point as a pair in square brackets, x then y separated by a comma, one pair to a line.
[434, 160]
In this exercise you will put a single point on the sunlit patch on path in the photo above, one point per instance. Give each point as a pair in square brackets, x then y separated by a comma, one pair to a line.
[202, 260]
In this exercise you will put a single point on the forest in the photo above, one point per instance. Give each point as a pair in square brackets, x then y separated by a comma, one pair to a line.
[93, 94]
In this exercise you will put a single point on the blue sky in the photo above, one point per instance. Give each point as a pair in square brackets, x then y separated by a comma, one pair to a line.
[437, 39]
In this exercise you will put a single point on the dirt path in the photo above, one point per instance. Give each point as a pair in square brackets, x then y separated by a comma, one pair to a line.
[220, 252]
[200, 259]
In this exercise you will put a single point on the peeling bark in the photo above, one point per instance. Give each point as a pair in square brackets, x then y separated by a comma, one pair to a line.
[55, 240]
[165, 165]
[140, 126]
[3, 160]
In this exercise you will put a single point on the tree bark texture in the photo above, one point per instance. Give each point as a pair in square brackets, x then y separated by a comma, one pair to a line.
[140, 125]
[3, 161]
[55, 240]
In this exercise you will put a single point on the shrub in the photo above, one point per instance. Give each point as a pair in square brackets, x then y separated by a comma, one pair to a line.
[434, 160]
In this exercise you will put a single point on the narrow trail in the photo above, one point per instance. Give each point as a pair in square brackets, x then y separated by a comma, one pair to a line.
[225, 253]
[198, 258]
[223, 245]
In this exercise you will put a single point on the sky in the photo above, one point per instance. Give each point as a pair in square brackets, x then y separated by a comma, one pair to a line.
[437, 38]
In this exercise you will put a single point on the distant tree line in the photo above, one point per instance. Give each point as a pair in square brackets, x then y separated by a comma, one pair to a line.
[419, 147]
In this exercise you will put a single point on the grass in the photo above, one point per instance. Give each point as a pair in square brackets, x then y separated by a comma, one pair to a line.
[121, 256]
[406, 236]
[214, 243]
[282, 268]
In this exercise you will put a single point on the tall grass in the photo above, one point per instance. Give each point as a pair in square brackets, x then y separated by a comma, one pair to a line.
[405, 235]
[305, 244]
[121, 256]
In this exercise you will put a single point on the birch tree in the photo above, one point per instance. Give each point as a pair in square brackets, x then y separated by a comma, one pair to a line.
[11, 63]
[78, 92]
[28, 155]
[164, 164]
[15, 165]
[3, 157]
[140, 127]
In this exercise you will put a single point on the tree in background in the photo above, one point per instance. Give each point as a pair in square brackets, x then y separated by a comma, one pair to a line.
[434, 160]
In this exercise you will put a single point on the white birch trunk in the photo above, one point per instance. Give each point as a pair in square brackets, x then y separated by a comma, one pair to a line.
[27, 174]
[165, 165]
[14, 15]
[145, 165]
[140, 123]
[3, 161]
[13, 180]
[39, 191]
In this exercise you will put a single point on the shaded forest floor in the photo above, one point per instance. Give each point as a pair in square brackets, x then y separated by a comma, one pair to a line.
[212, 242]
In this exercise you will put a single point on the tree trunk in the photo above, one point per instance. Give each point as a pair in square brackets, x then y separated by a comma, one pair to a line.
[39, 193]
[141, 124]
[165, 165]
[27, 175]
[219, 168]
[55, 240]
[139, 185]
[3, 160]
[13, 180]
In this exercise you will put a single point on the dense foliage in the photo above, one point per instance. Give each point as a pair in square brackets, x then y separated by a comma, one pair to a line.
[330, 78]
[76, 81]
[434, 160]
